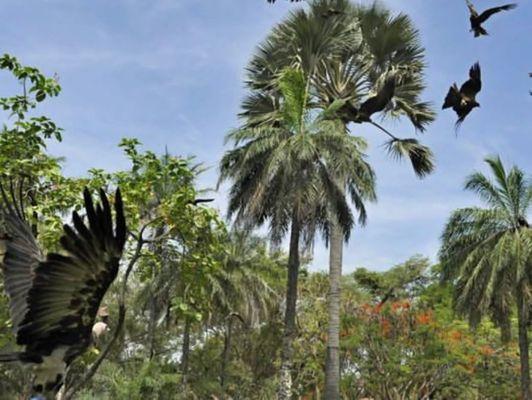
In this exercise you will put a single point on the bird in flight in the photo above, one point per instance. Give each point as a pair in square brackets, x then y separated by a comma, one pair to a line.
[378, 102]
[372, 105]
[463, 100]
[54, 299]
[477, 19]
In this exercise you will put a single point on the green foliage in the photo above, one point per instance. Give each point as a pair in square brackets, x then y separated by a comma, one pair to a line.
[134, 381]
[346, 59]
[399, 281]
[296, 163]
[36, 87]
[488, 251]
[223, 290]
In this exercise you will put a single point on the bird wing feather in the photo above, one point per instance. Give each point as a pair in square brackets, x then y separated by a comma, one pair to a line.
[472, 86]
[68, 288]
[472, 10]
[22, 255]
[453, 97]
[378, 102]
[490, 11]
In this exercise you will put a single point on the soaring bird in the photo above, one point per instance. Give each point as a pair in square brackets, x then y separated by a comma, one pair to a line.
[464, 100]
[477, 19]
[53, 300]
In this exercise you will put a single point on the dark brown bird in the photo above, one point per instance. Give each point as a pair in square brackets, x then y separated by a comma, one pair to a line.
[376, 103]
[54, 299]
[349, 112]
[477, 19]
[464, 100]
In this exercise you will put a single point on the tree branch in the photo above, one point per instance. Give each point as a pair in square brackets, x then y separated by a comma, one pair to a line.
[384, 130]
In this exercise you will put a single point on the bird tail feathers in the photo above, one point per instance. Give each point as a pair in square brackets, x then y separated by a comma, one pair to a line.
[480, 31]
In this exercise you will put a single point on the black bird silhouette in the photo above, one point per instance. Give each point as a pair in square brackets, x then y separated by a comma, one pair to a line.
[372, 105]
[378, 102]
[464, 100]
[53, 300]
[477, 19]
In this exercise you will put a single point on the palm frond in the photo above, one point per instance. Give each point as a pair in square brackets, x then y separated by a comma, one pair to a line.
[420, 156]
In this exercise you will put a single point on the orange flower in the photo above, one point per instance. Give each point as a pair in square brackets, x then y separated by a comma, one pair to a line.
[424, 318]
[456, 336]
[366, 307]
[486, 350]
[397, 305]
[385, 327]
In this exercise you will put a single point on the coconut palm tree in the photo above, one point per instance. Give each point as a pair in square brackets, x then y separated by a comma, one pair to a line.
[283, 172]
[487, 252]
[350, 52]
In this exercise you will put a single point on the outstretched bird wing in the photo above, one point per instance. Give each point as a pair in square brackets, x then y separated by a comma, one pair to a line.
[472, 10]
[472, 86]
[67, 288]
[21, 256]
[489, 12]
[453, 97]
[378, 102]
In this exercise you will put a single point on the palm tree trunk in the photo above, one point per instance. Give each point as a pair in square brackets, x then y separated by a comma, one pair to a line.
[226, 351]
[285, 378]
[522, 315]
[506, 329]
[151, 326]
[332, 363]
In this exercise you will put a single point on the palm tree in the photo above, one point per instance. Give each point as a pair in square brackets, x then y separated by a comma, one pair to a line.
[241, 289]
[283, 172]
[487, 252]
[349, 54]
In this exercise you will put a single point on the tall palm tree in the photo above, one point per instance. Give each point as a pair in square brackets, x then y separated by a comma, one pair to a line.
[283, 172]
[349, 54]
[487, 252]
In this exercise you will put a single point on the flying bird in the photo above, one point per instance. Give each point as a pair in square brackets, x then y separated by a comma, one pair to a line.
[372, 105]
[463, 101]
[378, 102]
[54, 299]
[477, 19]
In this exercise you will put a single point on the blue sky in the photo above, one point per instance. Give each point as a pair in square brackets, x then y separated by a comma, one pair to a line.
[170, 72]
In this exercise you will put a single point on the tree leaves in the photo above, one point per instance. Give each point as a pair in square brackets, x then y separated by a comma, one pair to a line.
[420, 156]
